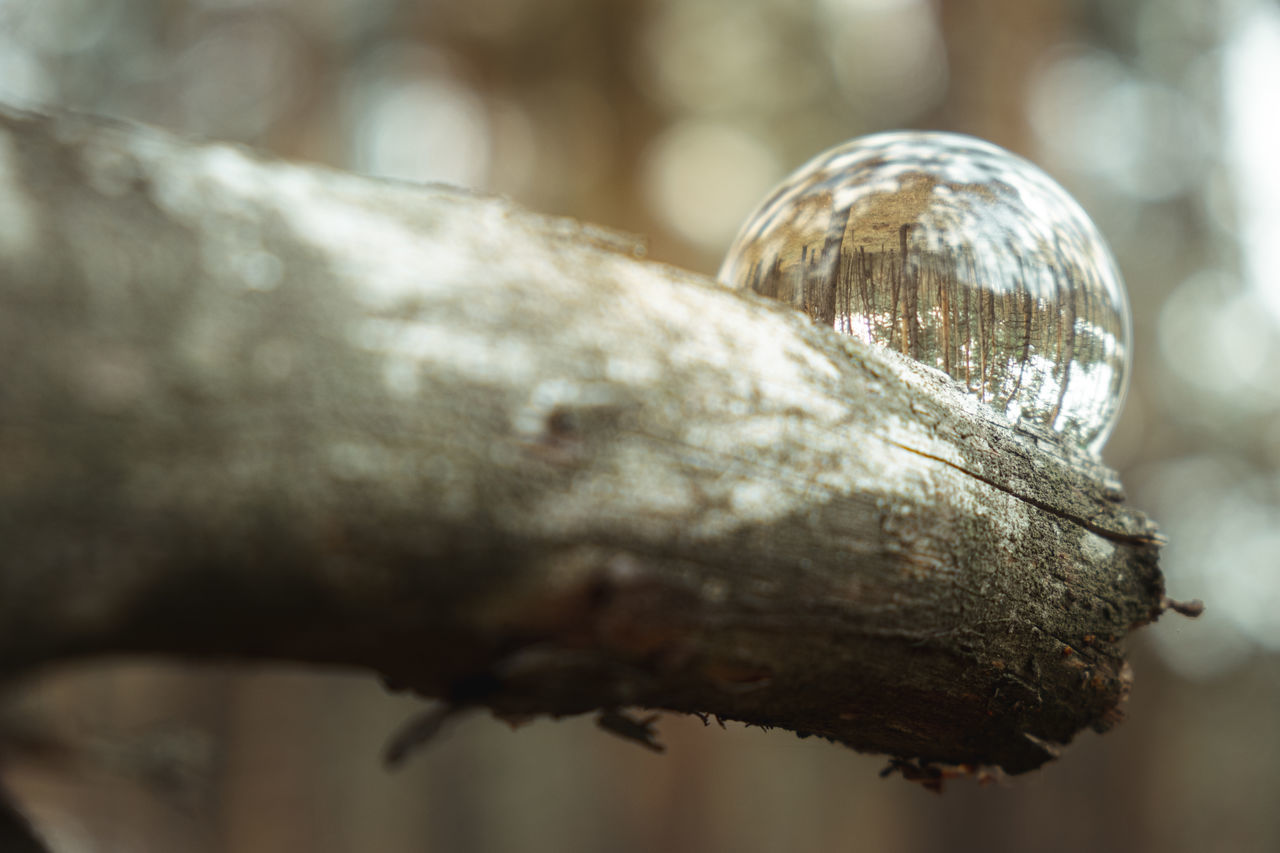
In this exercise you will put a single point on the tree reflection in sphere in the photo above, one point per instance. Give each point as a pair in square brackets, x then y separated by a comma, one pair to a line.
[960, 255]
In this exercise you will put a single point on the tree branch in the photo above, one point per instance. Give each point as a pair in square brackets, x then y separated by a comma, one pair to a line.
[250, 409]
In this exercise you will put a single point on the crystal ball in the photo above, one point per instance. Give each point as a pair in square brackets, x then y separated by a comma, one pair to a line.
[960, 255]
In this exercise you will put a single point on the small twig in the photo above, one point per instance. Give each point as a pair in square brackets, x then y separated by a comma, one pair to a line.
[1190, 609]
[416, 733]
[637, 729]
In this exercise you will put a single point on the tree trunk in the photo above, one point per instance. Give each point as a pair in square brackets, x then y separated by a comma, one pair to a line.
[256, 410]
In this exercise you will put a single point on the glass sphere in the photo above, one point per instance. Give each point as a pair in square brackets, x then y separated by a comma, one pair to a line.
[960, 255]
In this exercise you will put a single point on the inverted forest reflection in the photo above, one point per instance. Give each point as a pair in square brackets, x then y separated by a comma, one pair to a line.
[961, 256]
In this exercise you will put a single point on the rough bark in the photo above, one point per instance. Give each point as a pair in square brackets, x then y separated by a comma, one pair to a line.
[254, 410]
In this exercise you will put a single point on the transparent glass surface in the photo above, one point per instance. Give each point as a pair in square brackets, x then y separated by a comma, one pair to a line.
[960, 255]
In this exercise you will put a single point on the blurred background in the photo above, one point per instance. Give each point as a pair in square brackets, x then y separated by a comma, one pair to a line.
[672, 119]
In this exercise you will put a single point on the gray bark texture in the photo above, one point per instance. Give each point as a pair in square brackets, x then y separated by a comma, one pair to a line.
[257, 410]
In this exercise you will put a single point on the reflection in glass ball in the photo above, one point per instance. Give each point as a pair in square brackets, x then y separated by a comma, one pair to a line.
[961, 255]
